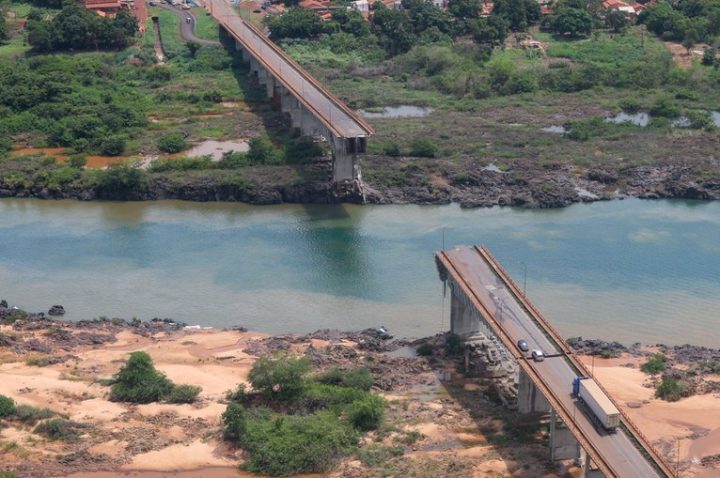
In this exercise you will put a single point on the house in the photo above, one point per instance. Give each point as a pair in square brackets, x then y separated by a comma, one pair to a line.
[105, 7]
[619, 5]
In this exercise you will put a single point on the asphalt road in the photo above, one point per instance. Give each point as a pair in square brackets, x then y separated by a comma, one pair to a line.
[327, 108]
[617, 450]
[187, 29]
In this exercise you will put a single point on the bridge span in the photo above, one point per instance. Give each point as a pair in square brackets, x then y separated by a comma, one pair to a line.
[485, 300]
[312, 108]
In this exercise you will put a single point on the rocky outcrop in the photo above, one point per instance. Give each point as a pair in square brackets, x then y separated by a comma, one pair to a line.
[56, 310]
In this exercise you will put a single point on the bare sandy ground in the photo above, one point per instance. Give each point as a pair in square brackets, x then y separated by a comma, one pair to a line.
[693, 423]
[445, 427]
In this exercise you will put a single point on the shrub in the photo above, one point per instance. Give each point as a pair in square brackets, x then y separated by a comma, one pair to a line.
[31, 415]
[655, 364]
[77, 161]
[113, 145]
[367, 413]
[319, 396]
[453, 345]
[665, 107]
[239, 395]
[172, 143]
[233, 160]
[281, 377]
[121, 179]
[234, 421]
[7, 406]
[183, 394]
[6, 474]
[292, 445]
[263, 151]
[59, 429]
[139, 382]
[670, 390]
[423, 148]
[360, 378]
[376, 454]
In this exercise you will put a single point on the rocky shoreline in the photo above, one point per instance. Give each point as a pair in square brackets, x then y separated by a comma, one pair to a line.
[447, 404]
[531, 187]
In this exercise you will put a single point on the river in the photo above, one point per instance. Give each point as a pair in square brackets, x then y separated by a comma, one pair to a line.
[627, 270]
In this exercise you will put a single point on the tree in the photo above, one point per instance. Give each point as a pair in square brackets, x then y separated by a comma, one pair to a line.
[520, 14]
[393, 28]
[573, 22]
[709, 55]
[490, 31]
[281, 377]
[464, 8]
[296, 23]
[425, 16]
[112, 145]
[3, 26]
[139, 382]
[616, 20]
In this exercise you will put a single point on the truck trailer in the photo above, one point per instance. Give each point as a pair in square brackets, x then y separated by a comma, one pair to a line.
[599, 405]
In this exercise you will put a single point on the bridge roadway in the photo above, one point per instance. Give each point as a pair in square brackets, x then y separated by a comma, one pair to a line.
[615, 454]
[330, 110]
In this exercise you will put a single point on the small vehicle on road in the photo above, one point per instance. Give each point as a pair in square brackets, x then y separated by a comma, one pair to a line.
[523, 345]
[538, 355]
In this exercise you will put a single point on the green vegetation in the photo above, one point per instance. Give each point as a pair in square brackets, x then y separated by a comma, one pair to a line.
[690, 22]
[77, 28]
[279, 378]
[657, 363]
[7, 406]
[183, 394]
[31, 415]
[59, 429]
[172, 143]
[670, 389]
[295, 424]
[139, 382]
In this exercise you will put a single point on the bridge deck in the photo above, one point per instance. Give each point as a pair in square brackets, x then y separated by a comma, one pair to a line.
[507, 314]
[333, 113]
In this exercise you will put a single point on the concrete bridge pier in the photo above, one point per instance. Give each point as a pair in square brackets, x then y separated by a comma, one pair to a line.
[563, 444]
[588, 467]
[530, 399]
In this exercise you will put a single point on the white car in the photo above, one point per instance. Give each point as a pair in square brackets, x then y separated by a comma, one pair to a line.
[538, 355]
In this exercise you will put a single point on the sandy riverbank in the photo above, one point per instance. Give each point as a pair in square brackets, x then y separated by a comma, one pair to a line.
[693, 423]
[442, 423]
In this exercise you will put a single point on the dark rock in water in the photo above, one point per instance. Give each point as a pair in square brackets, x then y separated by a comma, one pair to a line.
[56, 310]
[3, 304]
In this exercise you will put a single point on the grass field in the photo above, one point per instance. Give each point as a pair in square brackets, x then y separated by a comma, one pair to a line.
[14, 47]
[205, 26]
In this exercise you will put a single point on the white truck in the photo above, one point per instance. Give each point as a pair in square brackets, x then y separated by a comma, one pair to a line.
[603, 410]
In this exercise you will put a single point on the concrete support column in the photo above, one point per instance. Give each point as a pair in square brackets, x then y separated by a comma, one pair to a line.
[563, 445]
[588, 468]
[254, 65]
[270, 84]
[530, 399]
[462, 319]
[343, 163]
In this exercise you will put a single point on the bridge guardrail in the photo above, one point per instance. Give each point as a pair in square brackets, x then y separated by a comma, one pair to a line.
[534, 376]
[292, 63]
[632, 428]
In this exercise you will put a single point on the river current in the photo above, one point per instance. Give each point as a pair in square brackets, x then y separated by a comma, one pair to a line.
[628, 270]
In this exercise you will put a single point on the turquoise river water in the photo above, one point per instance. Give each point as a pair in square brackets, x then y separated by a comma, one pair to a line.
[628, 270]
